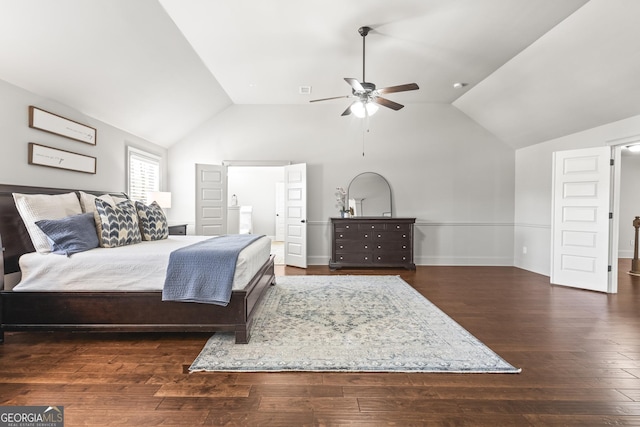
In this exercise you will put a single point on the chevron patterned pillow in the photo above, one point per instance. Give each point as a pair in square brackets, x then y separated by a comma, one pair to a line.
[119, 223]
[153, 222]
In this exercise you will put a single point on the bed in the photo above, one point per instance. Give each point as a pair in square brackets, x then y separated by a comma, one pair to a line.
[136, 309]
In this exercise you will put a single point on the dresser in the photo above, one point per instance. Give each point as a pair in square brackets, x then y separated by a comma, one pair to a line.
[372, 242]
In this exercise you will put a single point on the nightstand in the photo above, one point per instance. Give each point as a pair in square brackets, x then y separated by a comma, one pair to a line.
[178, 230]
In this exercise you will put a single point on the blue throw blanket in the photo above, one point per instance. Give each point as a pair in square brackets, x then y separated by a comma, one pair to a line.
[203, 272]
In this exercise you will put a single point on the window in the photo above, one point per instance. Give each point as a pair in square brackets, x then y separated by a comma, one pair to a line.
[143, 173]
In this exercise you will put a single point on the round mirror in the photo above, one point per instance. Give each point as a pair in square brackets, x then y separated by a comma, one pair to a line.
[369, 194]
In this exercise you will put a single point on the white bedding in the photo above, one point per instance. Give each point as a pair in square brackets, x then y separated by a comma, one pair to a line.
[139, 267]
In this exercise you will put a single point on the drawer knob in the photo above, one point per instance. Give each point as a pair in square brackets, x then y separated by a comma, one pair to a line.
[346, 226]
[366, 247]
[341, 236]
[373, 226]
[341, 247]
[366, 258]
[379, 235]
[404, 235]
[379, 258]
[404, 246]
[341, 258]
[397, 226]
[404, 258]
[379, 247]
[366, 235]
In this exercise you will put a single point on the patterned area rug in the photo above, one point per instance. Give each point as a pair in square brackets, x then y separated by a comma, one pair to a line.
[350, 324]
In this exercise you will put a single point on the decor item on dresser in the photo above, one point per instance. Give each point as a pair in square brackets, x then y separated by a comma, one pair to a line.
[42, 155]
[369, 194]
[115, 289]
[58, 125]
[342, 202]
[372, 242]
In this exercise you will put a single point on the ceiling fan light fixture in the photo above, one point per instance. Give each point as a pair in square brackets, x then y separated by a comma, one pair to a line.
[368, 97]
[362, 109]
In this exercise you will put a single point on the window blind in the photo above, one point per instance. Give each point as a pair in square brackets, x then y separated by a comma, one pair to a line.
[144, 174]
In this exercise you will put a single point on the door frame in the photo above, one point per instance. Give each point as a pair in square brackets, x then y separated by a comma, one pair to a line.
[254, 163]
[617, 146]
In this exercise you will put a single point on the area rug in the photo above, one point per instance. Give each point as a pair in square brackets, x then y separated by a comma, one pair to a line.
[350, 324]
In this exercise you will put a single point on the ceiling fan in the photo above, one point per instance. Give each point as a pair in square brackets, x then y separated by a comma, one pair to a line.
[368, 97]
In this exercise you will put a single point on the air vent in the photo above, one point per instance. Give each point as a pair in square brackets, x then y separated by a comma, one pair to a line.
[305, 90]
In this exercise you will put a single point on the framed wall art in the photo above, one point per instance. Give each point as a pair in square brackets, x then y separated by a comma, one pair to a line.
[58, 125]
[42, 155]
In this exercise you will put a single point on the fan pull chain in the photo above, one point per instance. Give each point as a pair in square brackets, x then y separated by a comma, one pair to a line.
[365, 131]
[362, 144]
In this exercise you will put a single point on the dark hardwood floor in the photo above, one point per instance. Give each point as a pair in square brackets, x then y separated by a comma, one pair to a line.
[579, 352]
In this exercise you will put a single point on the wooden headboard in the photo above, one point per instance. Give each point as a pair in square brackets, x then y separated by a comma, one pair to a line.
[15, 237]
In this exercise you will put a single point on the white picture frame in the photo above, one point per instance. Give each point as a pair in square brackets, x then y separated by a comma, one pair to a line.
[58, 125]
[42, 155]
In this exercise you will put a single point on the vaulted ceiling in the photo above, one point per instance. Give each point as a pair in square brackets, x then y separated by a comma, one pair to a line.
[533, 69]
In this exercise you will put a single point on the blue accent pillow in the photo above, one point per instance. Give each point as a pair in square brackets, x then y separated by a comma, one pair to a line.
[72, 234]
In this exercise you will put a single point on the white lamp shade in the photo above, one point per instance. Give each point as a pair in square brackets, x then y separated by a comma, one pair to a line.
[162, 198]
[360, 109]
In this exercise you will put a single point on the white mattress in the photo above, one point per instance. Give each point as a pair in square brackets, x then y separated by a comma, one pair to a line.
[139, 267]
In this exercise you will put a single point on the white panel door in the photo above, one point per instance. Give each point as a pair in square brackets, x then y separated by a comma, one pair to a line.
[211, 200]
[295, 215]
[580, 221]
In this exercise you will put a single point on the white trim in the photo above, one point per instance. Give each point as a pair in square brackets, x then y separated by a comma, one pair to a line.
[624, 140]
[256, 162]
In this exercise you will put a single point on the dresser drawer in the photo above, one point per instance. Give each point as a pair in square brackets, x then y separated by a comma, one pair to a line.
[345, 246]
[347, 235]
[405, 228]
[391, 246]
[342, 227]
[391, 258]
[355, 258]
[371, 227]
[391, 236]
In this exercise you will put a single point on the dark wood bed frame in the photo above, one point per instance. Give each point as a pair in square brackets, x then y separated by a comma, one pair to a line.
[112, 311]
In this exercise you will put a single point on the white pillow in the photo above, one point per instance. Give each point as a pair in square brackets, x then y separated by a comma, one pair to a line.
[35, 207]
[88, 201]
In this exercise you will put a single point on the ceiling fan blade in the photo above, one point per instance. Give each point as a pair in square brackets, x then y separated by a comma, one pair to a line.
[387, 103]
[355, 84]
[327, 99]
[348, 110]
[399, 88]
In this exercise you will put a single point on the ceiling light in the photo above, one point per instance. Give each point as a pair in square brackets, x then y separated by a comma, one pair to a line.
[305, 90]
[362, 109]
[459, 85]
[634, 148]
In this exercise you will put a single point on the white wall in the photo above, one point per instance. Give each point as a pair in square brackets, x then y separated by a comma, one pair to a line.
[533, 190]
[15, 135]
[444, 169]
